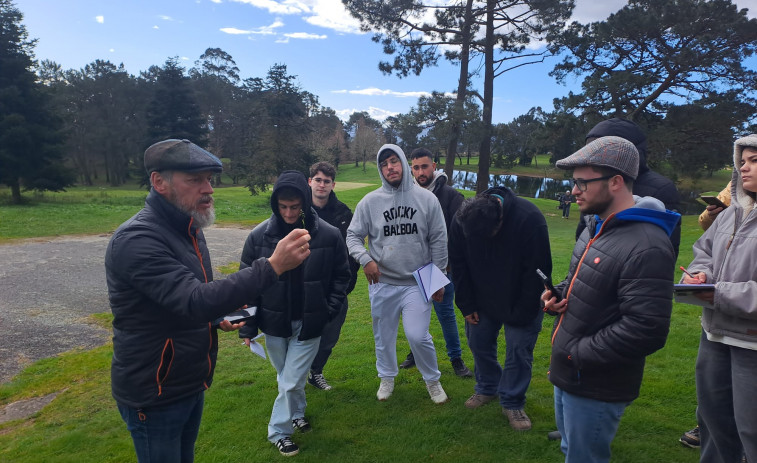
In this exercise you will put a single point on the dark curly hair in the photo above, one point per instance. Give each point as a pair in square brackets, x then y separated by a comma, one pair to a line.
[480, 215]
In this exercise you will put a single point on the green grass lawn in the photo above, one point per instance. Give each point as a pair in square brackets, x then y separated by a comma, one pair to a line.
[350, 425]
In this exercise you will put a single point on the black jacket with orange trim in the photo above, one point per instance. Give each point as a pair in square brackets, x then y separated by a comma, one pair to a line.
[619, 291]
[163, 299]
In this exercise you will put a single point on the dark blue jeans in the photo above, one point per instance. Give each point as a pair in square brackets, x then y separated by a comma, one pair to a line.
[165, 434]
[511, 382]
[445, 313]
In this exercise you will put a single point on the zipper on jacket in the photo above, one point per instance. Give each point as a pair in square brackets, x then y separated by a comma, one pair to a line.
[193, 237]
[575, 274]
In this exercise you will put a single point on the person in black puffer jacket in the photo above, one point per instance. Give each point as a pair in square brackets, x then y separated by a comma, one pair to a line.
[165, 302]
[648, 182]
[616, 301]
[294, 311]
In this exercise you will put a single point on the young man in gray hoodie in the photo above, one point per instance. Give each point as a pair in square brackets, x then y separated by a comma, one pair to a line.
[405, 227]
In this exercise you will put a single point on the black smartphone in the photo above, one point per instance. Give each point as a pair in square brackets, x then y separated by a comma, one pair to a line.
[713, 201]
[238, 316]
[548, 284]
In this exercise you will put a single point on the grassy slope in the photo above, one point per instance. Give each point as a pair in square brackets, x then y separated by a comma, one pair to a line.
[82, 424]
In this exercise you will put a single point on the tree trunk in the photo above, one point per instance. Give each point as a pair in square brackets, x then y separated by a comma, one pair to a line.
[462, 87]
[15, 193]
[484, 153]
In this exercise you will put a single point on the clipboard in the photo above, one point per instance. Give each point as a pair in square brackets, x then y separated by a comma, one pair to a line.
[430, 279]
[686, 294]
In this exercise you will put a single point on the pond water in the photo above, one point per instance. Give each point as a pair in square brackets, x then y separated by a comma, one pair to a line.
[549, 188]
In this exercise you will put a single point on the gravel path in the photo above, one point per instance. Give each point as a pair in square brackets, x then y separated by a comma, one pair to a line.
[49, 286]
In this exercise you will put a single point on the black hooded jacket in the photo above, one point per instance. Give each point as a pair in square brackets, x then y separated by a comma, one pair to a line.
[497, 275]
[314, 291]
[337, 213]
[648, 182]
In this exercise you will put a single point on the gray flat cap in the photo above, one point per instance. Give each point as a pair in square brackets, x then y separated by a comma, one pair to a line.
[180, 155]
[614, 152]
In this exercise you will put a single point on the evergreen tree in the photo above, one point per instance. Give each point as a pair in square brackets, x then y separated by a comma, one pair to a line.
[174, 112]
[31, 155]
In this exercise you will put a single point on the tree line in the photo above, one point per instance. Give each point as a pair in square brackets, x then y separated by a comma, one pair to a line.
[673, 66]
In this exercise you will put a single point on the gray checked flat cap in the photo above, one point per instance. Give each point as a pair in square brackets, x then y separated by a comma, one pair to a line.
[180, 155]
[614, 152]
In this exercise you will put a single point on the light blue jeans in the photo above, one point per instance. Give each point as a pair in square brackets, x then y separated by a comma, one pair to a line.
[587, 426]
[291, 358]
[445, 313]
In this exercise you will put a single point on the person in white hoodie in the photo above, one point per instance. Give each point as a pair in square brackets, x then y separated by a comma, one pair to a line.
[726, 370]
[405, 227]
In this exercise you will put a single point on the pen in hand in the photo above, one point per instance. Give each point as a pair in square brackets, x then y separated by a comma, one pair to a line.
[686, 272]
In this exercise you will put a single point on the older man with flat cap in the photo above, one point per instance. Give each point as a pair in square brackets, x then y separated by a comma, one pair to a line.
[615, 303]
[164, 301]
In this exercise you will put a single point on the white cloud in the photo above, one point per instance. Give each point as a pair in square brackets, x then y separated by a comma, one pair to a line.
[112, 50]
[373, 91]
[305, 35]
[216, 1]
[165, 18]
[184, 58]
[263, 30]
[155, 27]
[331, 14]
[100, 19]
[279, 7]
[376, 113]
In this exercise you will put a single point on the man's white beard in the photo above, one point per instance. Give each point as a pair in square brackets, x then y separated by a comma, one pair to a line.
[204, 220]
[201, 220]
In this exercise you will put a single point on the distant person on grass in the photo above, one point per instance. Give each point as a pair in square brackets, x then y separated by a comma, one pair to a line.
[616, 301]
[497, 242]
[164, 301]
[335, 213]
[293, 313]
[726, 370]
[426, 175]
[565, 202]
[405, 227]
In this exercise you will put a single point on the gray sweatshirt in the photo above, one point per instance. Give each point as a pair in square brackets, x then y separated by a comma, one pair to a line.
[726, 253]
[404, 225]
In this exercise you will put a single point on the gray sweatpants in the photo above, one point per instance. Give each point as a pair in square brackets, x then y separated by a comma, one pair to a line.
[727, 409]
[388, 303]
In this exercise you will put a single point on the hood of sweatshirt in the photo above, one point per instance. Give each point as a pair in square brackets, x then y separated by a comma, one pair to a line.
[297, 181]
[650, 210]
[743, 199]
[407, 176]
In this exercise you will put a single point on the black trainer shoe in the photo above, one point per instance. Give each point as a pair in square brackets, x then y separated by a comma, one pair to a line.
[317, 380]
[691, 438]
[302, 425]
[409, 361]
[460, 369]
[287, 447]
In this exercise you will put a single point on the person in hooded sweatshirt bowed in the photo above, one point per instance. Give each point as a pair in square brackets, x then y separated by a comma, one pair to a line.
[405, 227]
[294, 311]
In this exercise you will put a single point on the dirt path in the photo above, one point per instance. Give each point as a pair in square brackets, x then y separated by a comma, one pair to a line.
[48, 287]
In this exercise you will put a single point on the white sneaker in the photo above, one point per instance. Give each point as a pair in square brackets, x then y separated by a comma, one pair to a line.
[436, 392]
[385, 389]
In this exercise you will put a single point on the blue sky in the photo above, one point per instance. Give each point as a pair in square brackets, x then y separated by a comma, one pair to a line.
[317, 40]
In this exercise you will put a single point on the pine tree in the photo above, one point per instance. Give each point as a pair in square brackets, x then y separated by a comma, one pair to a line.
[31, 149]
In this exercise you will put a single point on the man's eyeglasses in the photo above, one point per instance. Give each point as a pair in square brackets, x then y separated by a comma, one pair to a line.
[325, 181]
[583, 184]
[392, 161]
